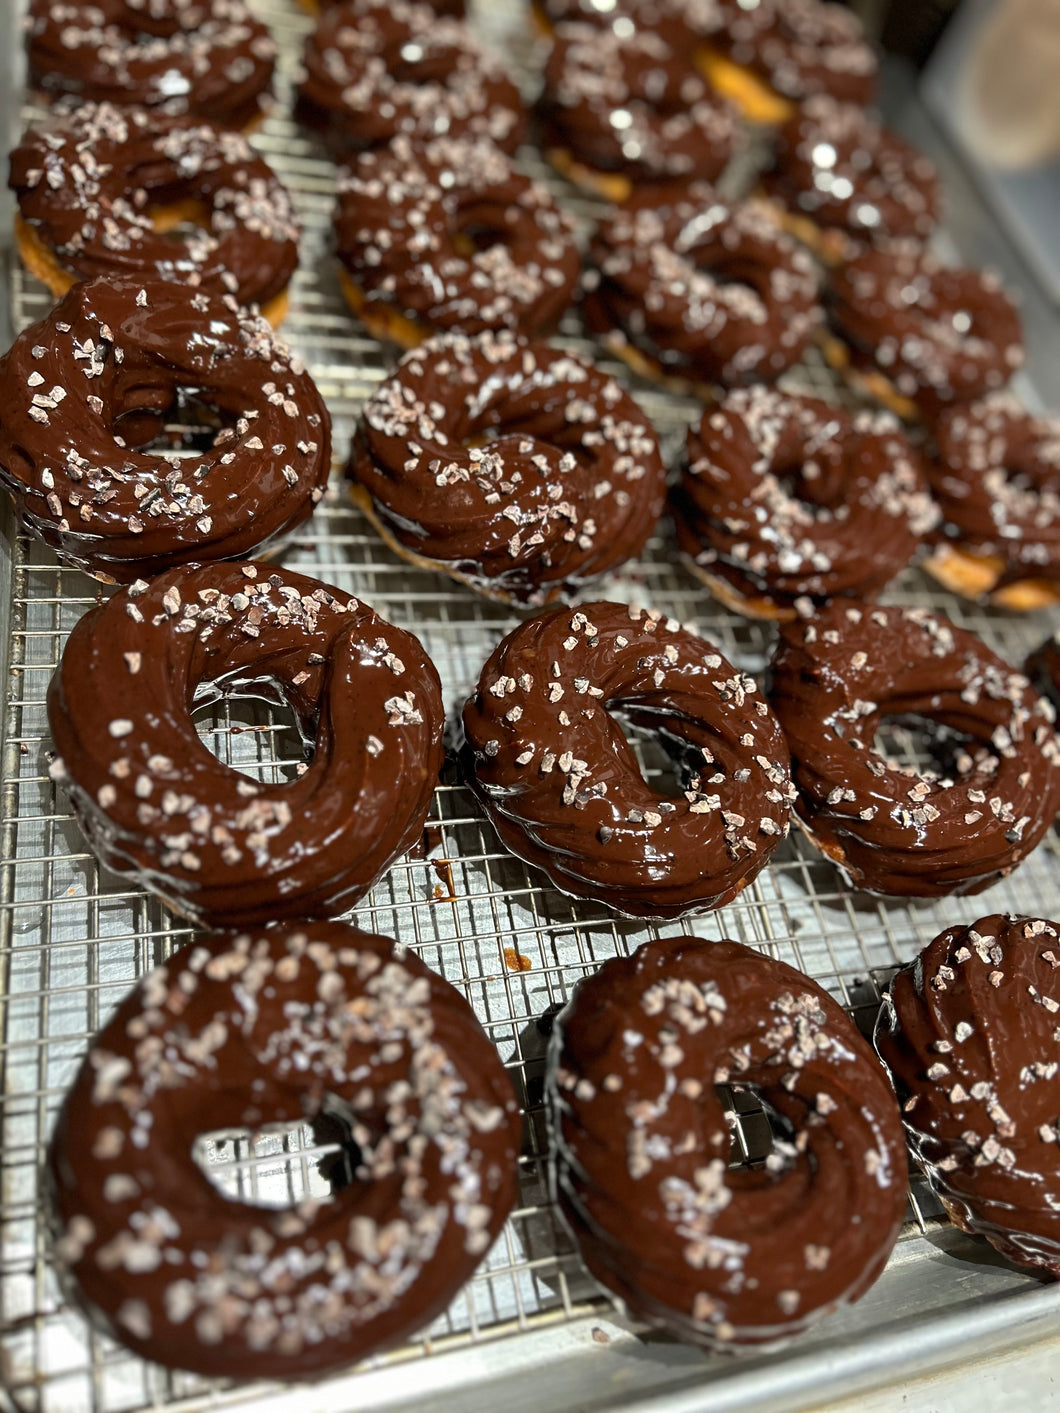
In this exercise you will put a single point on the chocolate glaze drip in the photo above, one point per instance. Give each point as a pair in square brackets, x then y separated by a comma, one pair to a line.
[561, 784]
[939, 334]
[854, 517]
[563, 481]
[87, 181]
[969, 1033]
[243, 1031]
[207, 57]
[634, 105]
[102, 374]
[712, 1254]
[1043, 668]
[705, 289]
[997, 481]
[221, 848]
[800, 47]
[450, 234]
[896, 830]
[838, 165]
[376, 69]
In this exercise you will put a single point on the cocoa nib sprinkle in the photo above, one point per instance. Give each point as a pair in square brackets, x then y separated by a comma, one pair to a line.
[287, 1016]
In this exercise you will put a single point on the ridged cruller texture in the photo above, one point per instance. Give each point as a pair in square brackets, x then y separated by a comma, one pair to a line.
[244, 1031]
[559, 780]
[970, 1033]
[220, 848]
[840, 676]
[97, 379]
[712, 1254]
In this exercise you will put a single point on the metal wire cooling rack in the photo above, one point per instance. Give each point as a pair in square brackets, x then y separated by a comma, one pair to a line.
[73, 938]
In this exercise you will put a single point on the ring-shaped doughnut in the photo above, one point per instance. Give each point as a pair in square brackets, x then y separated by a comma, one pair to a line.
[219, 847]
[713, 1254]
[897, 829]
[917, 335]
[996, 477]
[784, 498]
[100, 188]
[102, 375]
[699, 291]
[618, 111]
[448, 236]
[968, 1030]
[511, 466]
[379, 69]
[212, 58]
[560, 782]
[252, 1030]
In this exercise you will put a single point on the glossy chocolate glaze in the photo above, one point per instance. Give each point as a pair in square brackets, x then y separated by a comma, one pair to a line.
[837, 164]
[839, 676]
[220, 848]
[677, 22]
[1043, 668]
[211, 58]
[641, 1145]
[243, 1031]
[853, 518]
[632, 104]
[939, 334]
[996, 478]
[560, 782]
[800, 47]
[449, 234]
[969, 1033]
[563, 480]
[87, 179]
[102, 374]
[706, 290]
[377, 69]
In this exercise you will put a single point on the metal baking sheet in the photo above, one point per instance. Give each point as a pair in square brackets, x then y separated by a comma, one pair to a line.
[530, 1329]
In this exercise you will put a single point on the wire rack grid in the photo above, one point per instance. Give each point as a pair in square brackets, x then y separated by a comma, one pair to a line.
[73, 938]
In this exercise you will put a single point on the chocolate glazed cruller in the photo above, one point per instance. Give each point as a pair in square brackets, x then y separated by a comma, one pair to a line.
[100, 187]
[969, 1032]
[267, 1027]
[562, 478]
[712, 1254]
[220, 848]
[212, 58]
[102, 375]
[894, 829]
[785, 499]
[561, 784]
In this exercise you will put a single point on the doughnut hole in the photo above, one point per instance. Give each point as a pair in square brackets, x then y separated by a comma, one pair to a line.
[260, 734]
[279, 1165]
[152, 415]
[928, 746]
[762, 1138]
[665, 771]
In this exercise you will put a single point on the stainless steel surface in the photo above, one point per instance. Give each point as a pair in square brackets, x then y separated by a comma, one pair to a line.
[529, 1331]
